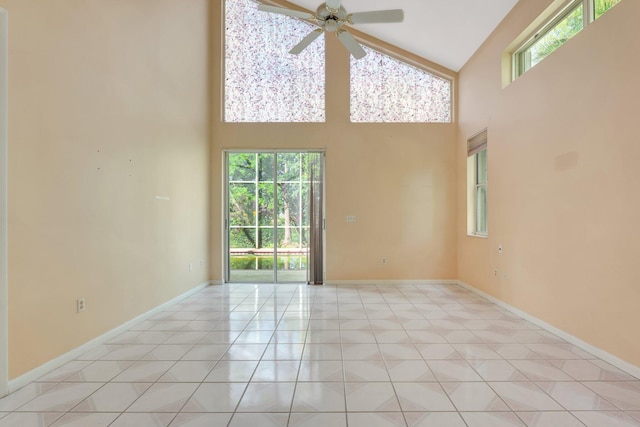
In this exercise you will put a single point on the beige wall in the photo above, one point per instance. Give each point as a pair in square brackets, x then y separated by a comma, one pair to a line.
[108, 108]
[562, 166]
[398, 179]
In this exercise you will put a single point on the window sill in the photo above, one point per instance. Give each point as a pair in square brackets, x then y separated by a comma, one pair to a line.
[481, 236]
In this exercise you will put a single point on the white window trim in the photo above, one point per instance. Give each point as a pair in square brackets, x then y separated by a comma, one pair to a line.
[475, 145]
[223, 87]
[560, 13]
[471, 199]
[475, 194]
[548, 19]
[412, 61]
[5, 385]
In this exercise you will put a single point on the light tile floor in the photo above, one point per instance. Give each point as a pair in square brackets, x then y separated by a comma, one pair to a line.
[296, 355]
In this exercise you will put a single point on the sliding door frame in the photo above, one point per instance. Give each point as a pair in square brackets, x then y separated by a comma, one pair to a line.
[225, 208]
[4, 227]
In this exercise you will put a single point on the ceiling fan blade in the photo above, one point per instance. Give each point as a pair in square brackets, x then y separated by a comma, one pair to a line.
[306, 41]
[379, 16]
[285, 11]
[351, 44]
[334, 4]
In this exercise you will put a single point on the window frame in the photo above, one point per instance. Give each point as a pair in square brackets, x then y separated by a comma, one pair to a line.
[477, 186]
[476, 145]
[405, 59]
[553, 17]
[224, 116]
[520, 65]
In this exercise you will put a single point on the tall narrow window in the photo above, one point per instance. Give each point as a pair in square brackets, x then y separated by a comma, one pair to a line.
[481, 192]
[385, 89]
[477, 188]
[263, 82]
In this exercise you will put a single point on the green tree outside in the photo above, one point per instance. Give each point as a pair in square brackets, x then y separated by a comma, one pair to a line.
[568, 27]
[267, 192]
[601, 6]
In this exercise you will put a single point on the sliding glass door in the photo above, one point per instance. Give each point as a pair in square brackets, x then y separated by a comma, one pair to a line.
[273, 202]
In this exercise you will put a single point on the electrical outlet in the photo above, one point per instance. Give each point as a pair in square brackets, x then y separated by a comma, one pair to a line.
[190, 266]
[499, 249]
[384, 260]
[504, 276]
[495, 273]
[81, 305]
[201, 263]
[351, 218]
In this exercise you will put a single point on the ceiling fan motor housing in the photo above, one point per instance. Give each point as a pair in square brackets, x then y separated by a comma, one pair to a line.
[331, 19]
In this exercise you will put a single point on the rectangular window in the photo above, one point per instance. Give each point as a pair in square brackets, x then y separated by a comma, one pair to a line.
[477, 224]
[563, 24]
[566, 25]
[481, 192]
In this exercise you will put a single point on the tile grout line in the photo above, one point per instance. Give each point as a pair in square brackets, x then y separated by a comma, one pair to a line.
[388, 299]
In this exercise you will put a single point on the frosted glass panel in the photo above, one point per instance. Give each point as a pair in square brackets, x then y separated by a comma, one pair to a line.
[384, 89]
[263, 82]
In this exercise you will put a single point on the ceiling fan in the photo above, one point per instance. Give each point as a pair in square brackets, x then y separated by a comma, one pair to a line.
[332, 17]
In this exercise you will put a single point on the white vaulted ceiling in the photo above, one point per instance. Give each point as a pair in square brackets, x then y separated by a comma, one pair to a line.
[446, 32]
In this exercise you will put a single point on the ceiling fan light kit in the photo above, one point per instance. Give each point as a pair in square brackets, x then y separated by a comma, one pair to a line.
[332, 17]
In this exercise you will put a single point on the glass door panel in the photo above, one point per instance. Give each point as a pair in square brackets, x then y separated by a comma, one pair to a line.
[250, 217]
[291, 254]
[269, 213]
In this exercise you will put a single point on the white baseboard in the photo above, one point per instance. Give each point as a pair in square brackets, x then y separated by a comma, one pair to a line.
[41, 370]
[391, 282]
[607, 357]
[24, 379]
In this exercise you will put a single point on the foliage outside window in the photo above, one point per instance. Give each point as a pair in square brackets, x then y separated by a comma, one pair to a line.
[480, 161]
[543, 44]
[268, 201]
[384, 89]
[264, 194]
[262, 81]
[601, 6]
[566, 24]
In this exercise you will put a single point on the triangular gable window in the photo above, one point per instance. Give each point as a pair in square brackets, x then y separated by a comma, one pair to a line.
[263, 82]
[385, 89]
